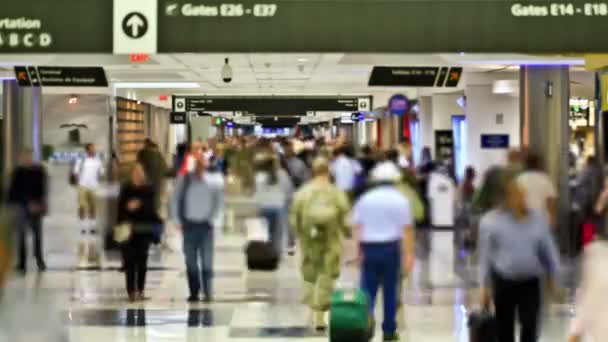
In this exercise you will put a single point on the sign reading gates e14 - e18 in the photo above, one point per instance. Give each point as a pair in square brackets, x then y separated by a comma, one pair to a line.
[382, 26]
[55, 26]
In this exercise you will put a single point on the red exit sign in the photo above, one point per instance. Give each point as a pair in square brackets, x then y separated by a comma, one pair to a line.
[138, 57]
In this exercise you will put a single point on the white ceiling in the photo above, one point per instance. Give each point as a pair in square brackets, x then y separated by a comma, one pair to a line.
[269, 72]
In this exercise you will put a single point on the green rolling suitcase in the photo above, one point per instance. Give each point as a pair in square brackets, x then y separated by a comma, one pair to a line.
[349, 319]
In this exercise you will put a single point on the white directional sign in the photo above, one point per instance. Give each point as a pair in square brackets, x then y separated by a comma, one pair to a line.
[179, 104]
[364, 104]
[135, 26]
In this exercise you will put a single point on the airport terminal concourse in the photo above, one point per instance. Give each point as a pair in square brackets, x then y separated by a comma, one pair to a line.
[302, 170]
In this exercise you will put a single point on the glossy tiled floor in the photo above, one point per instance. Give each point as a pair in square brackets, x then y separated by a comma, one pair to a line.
[66, 304]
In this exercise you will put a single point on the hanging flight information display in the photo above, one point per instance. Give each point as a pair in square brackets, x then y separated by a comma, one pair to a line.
[271, 105]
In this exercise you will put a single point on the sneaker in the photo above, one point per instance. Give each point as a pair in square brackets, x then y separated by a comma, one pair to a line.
[41, 267]
[291, 251]
[391, 337]
[207, 299]
[320, 322]
[193, 299]
[132, 297]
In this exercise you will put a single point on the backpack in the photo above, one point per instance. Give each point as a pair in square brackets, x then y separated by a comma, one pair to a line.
[321, 208]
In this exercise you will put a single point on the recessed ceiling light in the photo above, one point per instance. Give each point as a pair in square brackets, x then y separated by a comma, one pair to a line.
[302, 60]
[157, 85]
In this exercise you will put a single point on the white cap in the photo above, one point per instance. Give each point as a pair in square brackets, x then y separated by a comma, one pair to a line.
[385, 172]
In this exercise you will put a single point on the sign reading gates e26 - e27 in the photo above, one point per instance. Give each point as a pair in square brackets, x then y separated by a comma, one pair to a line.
[43, 26]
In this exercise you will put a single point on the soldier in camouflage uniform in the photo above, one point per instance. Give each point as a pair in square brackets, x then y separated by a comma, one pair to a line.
[318, 215]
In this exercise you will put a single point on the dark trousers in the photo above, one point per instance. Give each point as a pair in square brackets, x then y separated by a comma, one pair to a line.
[34, 223]
[198, 247]
[382, 267]
[135, 258]
[521, 298]
[273, 218]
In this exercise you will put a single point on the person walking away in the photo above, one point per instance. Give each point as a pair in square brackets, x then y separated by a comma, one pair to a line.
[344, 170]
[591, 305]
[299, 174]
[195, 206]
[273, 189]
[88, 172]
[189, 162]
[516, 252]
[318, 216]
[136, 207]
[384, 228]
[541, 194]
[28, 195]
[156, 169]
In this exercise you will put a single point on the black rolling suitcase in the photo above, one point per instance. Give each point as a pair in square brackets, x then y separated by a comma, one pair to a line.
[482, 327]
[261, 256]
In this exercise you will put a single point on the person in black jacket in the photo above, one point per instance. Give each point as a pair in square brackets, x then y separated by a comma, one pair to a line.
[28, 196]
[136, 206]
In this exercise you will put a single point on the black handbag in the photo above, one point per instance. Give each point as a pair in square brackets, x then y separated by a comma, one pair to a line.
[482, 326]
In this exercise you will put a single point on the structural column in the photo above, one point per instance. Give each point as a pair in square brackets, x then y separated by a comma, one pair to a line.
[22, 107]
[545, 95]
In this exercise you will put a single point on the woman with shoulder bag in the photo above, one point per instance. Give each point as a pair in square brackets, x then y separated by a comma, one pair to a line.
[138, 217]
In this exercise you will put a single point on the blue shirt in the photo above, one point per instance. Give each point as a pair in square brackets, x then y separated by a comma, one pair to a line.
[516, 250]
[382, 213]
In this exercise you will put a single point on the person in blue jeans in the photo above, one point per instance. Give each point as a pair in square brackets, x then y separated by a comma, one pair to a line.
[384, 228]
[196, 203]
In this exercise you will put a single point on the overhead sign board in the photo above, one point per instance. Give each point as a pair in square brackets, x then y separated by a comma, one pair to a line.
[415, 76]
[406, 26]
[495, 141]
[270, 105]
[48, 76]
[66, 26]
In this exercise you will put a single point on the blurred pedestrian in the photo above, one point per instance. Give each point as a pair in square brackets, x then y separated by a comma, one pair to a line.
[318, 216]
[273, 190]
[28, 196]
[516, 253]
[345, 170]
[384, 228]
[196, 203]
[591, 304]
[156, 169]
[541, 194]
[136, 207]
[87, 174]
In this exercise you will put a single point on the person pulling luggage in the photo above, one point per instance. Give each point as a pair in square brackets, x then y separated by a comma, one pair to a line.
[318, 215]
[384, 227]
[516, 252]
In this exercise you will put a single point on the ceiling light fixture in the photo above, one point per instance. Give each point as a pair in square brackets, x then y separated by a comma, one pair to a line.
[73, 99]
[156, 85]
[302, 60]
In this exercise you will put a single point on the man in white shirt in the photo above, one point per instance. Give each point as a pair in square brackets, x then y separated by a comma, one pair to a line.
[384, 226]
[345, 170]
[541, 194]
[88, 172]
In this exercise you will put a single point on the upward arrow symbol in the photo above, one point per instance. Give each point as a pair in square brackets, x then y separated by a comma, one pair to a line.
[135, 22]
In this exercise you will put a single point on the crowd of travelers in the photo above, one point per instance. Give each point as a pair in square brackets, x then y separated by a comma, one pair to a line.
[314, 195]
